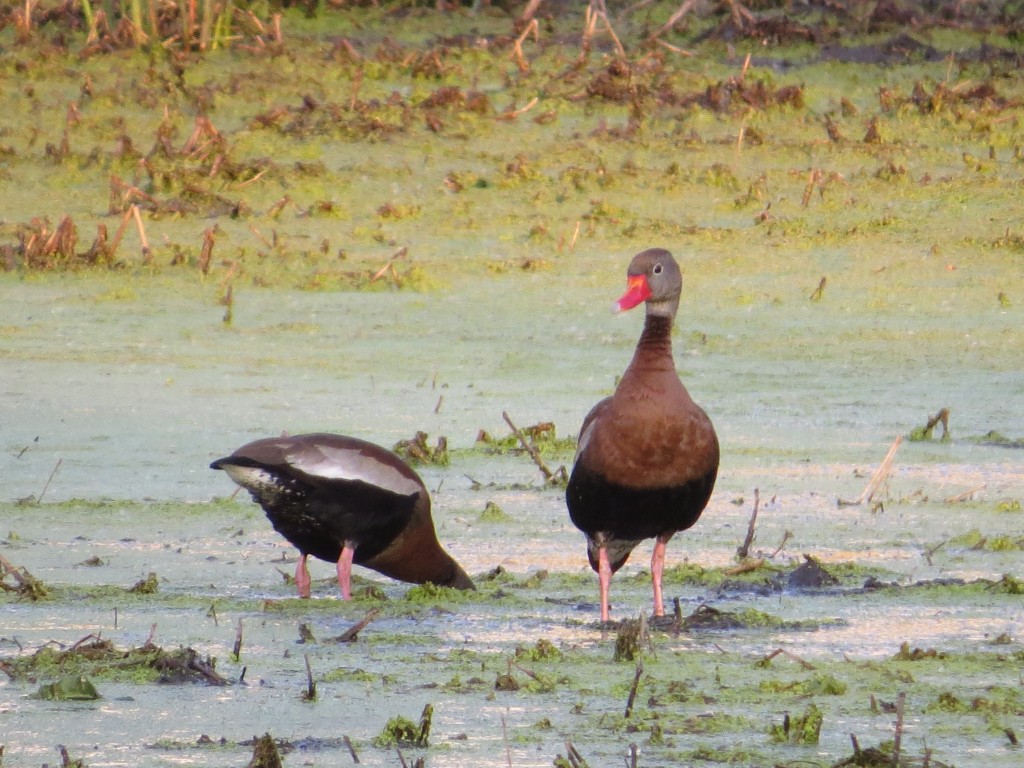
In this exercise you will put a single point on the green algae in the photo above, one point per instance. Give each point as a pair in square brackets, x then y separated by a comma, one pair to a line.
[524, 186]
[542, 650]
[100, 660]
[401, 731]
[68, 688]
[974, 539]
[818, 684]
[804, 728]
[492, 513]
[542, 437]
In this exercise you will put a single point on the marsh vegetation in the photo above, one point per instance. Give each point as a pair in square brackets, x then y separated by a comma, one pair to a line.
[221, 221]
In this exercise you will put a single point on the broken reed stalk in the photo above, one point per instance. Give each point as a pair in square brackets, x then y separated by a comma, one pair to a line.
[517, 47]
[786, 536]
[548, 474]
[229, 304]
[261, 236]
[784, 652]
[633, 688]
[351, 749]
[351, 634]
[49, 480]
[390, 266]
[966, 494]
[674, 48]
[898, 737]
[147, 252]
[942, 417]
[677, 616]
[511, 114]
[27, 583]
[615, 38]
[575, 758]
[820, 290]
[530, 10]
[310, 685]
[504, 740]
[236, 651]
[744, 551]
[206, 254]
[813, 178]
[877, 478]
[685, 8]
[532, 675]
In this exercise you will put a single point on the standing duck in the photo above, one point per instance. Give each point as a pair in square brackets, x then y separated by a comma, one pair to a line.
[345, 501]
[647, 456]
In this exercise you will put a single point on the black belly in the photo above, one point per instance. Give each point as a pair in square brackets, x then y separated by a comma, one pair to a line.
[620, 512]
[319, 519]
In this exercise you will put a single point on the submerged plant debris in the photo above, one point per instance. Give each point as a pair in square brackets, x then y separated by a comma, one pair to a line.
[94, 657]
[224, 221]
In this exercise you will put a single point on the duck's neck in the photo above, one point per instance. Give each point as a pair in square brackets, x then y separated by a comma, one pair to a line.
[654, 350]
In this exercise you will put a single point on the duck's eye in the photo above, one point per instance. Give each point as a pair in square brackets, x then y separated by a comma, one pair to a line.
[657, 269]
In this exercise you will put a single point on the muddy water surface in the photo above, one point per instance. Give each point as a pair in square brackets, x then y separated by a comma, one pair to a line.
[136, 396]
[119, 387]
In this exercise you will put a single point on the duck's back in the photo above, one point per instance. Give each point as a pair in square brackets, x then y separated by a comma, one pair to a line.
[320, 490]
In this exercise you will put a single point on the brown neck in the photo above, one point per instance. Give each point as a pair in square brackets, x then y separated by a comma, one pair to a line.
[654, 350]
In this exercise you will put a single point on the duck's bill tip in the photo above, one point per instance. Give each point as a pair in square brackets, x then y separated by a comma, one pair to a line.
[637, 292]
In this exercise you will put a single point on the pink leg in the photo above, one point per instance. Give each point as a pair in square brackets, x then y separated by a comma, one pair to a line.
[302, 576]
[345, 570]
[657, 567]
[604, 575]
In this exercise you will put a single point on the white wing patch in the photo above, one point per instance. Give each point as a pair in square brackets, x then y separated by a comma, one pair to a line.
[335, 463]
[584, 439]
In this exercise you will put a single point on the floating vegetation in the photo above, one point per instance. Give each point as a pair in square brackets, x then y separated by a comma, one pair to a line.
[18, 580]
[542, 438]
[802, 729]
[999, 440]
[94, 657]
[925, 433]
[68, 688]
[146, 586]
[542, 650]
[417, 451]
[507, 151]
[631, 639]
[264, 753]
[492, 513]
[400, 731]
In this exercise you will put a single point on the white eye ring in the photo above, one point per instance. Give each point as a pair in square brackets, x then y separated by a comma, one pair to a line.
[657, 269]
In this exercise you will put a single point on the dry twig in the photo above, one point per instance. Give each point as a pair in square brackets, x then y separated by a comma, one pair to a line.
[350, 634]
[549, 476]
[877, 478]
[744, 550]
[784, 652]
[517, 48]
[633, 688]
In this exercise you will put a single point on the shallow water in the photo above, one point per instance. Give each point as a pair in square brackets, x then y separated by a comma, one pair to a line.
[118, 389]
[135, 396]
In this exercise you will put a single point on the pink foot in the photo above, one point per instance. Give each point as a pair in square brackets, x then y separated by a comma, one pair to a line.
[604, 575]
[345, 570]
[302, 580]
[657, 567]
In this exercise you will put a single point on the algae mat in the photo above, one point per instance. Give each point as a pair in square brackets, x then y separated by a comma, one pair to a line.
[373, 229]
